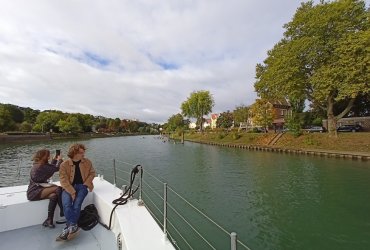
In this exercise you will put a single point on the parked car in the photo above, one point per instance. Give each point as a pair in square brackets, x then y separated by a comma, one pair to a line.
[350, 128]
[314, 129]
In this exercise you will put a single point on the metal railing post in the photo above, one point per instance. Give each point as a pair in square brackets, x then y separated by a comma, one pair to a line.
[234, 242]
[165, 209]
[141, 202]
[114, 172]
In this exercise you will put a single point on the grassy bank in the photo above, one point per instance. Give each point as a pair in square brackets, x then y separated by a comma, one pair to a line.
[348, 142]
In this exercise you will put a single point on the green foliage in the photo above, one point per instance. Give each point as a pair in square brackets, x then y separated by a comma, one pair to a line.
[175, 122]
[25, 127]
[197, 105]
[48, 120]
[30, 115]
[235, 135]
[317, 121]
[323, 57]
[15, 112]
[262, 113]
[294, 125]
[69, 125]
[6, 121]
[225, 120]
[65, 122]
[221, 135]
[179, 131]
[241, 114]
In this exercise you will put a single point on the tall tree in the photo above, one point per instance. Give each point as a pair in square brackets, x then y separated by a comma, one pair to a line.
[197, 105]
[323, 57]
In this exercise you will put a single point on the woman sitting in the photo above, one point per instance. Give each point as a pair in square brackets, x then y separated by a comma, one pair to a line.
[40, 189]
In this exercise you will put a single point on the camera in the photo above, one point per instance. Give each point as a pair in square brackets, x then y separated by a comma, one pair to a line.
[57, 152]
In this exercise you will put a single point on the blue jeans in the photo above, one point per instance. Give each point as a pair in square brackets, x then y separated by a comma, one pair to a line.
[72, 208]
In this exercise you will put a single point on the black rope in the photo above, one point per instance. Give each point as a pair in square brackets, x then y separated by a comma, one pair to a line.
[129, 192]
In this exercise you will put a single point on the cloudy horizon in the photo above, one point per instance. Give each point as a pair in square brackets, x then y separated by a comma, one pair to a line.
[135, 59]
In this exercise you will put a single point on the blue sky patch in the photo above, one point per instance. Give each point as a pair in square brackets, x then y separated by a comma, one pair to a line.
[95, 59]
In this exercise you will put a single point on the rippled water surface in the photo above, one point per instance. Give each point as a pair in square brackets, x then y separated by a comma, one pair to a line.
[273, 201]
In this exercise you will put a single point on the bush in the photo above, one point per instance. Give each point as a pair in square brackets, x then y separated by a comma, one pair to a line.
[221, 135]
[235, 135]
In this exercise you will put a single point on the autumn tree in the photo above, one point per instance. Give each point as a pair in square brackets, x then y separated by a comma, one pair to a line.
[262, 113]
[197, 105]
[323, 57]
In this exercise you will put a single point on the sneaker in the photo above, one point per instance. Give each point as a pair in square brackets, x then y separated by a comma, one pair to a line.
[64, 235]
[74, 230]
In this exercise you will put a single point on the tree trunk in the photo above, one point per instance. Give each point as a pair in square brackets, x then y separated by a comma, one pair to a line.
[332, 122]
[332, 119]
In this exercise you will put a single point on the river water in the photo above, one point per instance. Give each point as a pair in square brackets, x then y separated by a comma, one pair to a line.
[272, 200]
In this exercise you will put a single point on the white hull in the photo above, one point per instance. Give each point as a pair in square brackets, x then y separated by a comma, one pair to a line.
[137, 228]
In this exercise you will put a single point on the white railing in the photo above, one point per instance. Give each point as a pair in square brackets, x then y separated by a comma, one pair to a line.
[175, 220]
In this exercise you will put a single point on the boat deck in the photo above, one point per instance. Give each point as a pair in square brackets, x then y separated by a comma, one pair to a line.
[41, 238]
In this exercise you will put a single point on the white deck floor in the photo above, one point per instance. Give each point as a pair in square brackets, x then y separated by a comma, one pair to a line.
[41, 238]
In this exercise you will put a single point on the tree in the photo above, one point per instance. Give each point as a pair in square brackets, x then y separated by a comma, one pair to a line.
[262, 113]
[225, 120]
[15, 112]
[47, 120]
[6, 121]
[30, 115]
[323, 58]
[241, 114]
[69, 125]
[174, 122]
[25, 127]
[199, 103]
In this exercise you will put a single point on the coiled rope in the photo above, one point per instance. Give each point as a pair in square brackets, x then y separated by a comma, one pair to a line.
[123, 199]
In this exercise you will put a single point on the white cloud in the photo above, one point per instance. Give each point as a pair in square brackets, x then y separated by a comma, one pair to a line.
[134, 59]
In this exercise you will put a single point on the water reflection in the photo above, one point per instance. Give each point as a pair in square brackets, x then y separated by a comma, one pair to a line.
[273, 201]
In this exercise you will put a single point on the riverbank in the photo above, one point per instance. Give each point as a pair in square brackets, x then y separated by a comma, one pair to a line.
[19, 138]
[346, 145]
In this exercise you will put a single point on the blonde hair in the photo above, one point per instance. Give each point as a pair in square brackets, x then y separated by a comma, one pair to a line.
[75, 149]
[41, 156]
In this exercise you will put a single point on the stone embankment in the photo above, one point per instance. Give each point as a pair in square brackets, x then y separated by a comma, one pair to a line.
[323, 153]
[24, 138]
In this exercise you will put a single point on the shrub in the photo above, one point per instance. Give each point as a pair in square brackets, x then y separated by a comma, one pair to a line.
[235, 135]
[221, 135]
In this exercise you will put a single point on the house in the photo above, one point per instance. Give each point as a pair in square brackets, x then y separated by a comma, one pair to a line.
[207, 123]
[192, 125]
[214, 120]
[282, 110]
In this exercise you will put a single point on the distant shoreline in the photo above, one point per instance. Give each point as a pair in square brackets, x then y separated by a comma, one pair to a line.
[6, 138]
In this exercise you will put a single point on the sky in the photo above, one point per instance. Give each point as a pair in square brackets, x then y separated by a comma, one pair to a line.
[135, 59]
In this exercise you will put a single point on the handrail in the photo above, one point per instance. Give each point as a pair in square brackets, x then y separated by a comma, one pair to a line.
[145, 184]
